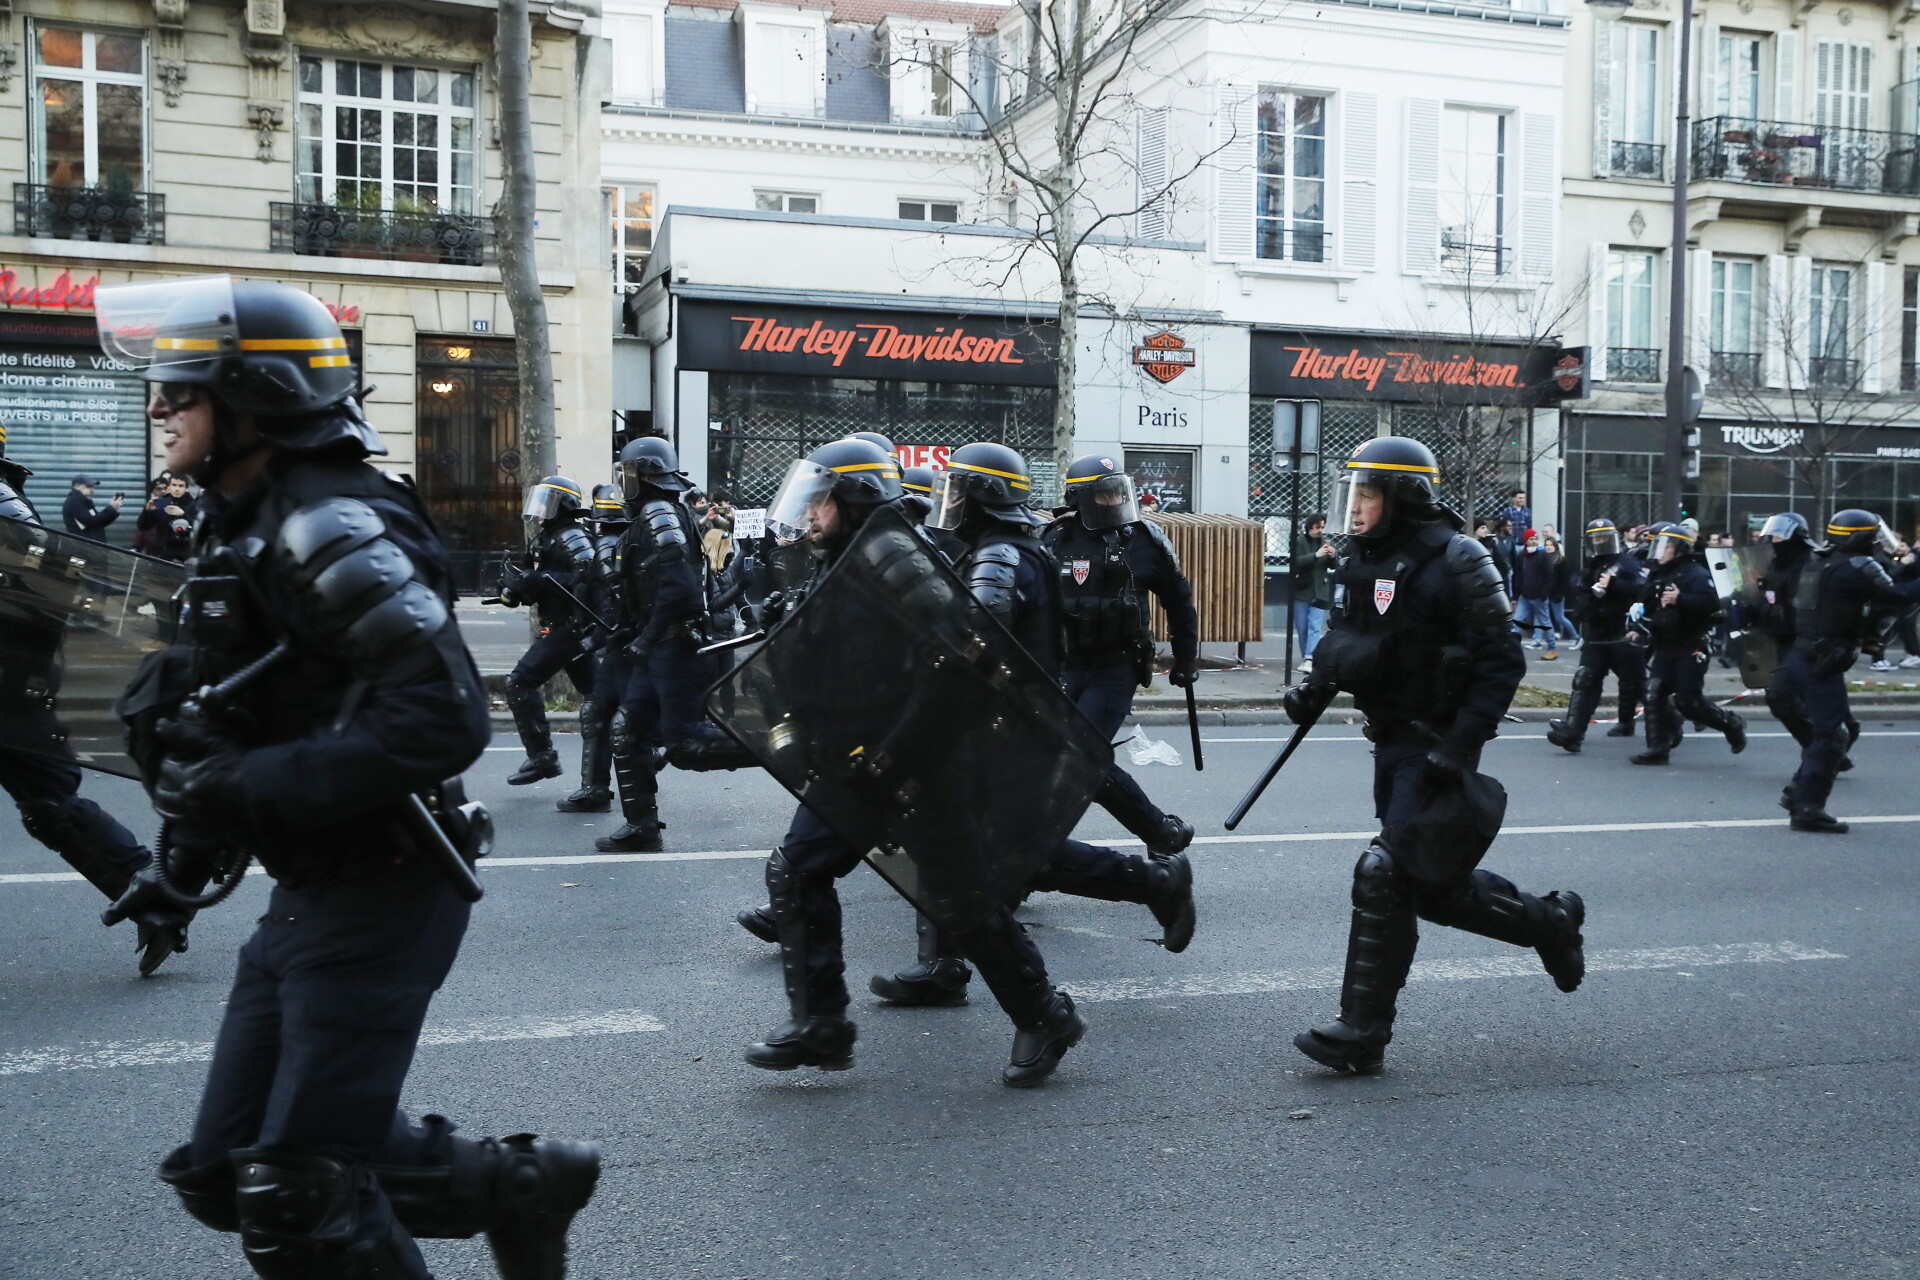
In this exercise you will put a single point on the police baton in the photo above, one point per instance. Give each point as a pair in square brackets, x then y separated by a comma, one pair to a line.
[1273, 770]
[427, 830]
[1193, 727]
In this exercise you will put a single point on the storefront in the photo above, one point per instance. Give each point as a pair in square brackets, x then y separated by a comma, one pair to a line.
[1747, 472]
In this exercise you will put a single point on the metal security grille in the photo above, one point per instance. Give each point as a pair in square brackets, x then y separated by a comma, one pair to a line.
[759, 423]
[1482, 452]
[1270, 489]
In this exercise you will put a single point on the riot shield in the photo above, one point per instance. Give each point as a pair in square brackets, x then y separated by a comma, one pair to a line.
[910, 722]
[1756, 654]
[76, 619]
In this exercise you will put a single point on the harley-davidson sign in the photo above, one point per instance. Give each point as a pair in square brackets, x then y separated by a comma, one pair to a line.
[1165, 356]
[1416, 370]
[832, 342]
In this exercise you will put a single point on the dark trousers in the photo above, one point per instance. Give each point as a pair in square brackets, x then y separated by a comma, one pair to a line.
[1787, 700]
[1625, 661]
[545, 658]
[1823, 697]
[660, 706]
[47, 791]
[1105, 696]
[1676, 691]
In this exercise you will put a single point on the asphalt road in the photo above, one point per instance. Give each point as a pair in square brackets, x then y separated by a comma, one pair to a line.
[1731, 1094]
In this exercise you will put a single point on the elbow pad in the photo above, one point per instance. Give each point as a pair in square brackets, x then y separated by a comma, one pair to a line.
[992, 577]
[574, 550]
[1483, 597]
[357, 587]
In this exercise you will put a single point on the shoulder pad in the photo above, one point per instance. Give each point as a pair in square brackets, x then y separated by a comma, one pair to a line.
[573, 542]
[992, 573]
[14, 506]
[358, 588]
[1483, 597]
[1161, 540]
[1873, 571]
[662, 519]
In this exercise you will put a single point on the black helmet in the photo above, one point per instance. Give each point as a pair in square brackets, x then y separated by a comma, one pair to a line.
[552, 498]
[650, 461]
[1786, 527]
[1603, 538]
[854, 472]
[918, 480]
[1403, 470]
[1101, 492]
[608, 506]
[1859, 530]
[990, 478]
[1667, 534]
[875, 439]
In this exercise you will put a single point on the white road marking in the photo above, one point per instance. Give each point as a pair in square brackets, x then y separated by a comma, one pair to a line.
[1529, 737]
[1517, 965]
[1290, 837]
[105, 1054]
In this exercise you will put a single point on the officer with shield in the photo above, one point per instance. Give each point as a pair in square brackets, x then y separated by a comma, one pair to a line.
[1610, 585]
[316, 717]
[1771, 623]
[602, 595]
[1845, 599]
[1421, 634]
[1681, 605]
[552, 581]
[825, 499]
[45, 784]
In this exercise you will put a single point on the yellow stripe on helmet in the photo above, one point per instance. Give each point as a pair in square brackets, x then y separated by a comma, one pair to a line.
[1838, 530]
[917, 488]
[887, 467]
[1677, 532]
[293, 344]
[1012, 479]
[558, 488]
[328, 362]
[1361, 464]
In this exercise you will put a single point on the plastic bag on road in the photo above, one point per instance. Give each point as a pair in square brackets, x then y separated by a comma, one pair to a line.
[1143, 750]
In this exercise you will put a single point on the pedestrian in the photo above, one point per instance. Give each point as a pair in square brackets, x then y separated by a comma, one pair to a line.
[1518, 515]
[714, 519]
[82, 516]
[1610, 585]
[1905, 568]
[1534, 580]
[148, 537]
[1410, 585]
[1564, 572]
[1681, 605]
[166, 522]
[1314, 560]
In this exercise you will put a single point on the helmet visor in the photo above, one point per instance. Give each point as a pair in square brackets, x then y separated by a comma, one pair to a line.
[1106, 503]
[1672, 544]
[1783, 526]
[545, 501]
[169, 322]
[1604, 542]
[1886, 540]
[949, 500]
[800, 506]
[1364, 496]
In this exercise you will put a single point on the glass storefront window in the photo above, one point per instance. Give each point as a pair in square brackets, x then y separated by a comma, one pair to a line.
[466, 410]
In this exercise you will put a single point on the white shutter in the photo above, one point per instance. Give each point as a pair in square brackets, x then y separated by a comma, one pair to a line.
[1539, 181]
[1422, 176]
[1700, 313]
[1234, 159]
[1359, 156]
[1150, 172]
[1786, 67]
[1776, 318]
[1707, 82]
[1798, 318]
[1597, 310]
[1602, 95]
[1873, 323]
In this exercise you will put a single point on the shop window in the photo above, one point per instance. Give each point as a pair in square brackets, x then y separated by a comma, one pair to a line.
[1474, 179]
[1735, 322]
[785, 202]
[89, 109]
[1831, 358]
[632, 211]
[1290, 202]
[929, 211]
[1163, 478]
[1633, 110]
[1632, 354]
[386, 137]
[466, 414]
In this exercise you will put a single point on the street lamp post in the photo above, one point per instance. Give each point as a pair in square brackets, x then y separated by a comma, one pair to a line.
[1678, 414]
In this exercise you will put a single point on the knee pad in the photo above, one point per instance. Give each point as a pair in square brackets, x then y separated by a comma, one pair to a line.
[296, 1208]
[1693, 706]
[620, 734]
[523, 697]
[1585, 677]
[208, 1192]
[1377, 880]
[1656, 690]
[594, 713]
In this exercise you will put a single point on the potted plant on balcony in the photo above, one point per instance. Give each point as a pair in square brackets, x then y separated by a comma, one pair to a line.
[1757, 164]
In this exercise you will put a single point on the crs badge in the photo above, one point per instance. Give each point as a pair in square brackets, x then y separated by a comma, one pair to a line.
[1081, 568]
[1382, 593]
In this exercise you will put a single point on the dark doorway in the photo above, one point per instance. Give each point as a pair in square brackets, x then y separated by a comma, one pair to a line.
[467, 410]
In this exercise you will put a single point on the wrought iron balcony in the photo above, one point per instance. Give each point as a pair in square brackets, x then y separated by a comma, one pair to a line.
[1742, 368]
[1638, 160]
[1835, 373]
[330, 231]
[1633, 364]
[1779, 154]
[89, 213]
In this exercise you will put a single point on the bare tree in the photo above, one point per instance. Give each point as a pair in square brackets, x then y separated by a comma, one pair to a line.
[513, 229]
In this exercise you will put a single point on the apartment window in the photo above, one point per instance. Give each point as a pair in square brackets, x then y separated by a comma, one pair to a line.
[90, 109]
[1736, 81]
[1910, 331]
[927, 80]
[1734, 328]
[1290, 203]
[1473, 192]
[632, 208]
[1842, 86]
[1632, 355]
[376, 135]
[929, 211]
[788, 80]
[1830, 355]
[1013, 66]
[785, 202]
[1634, 108]
[632, 37]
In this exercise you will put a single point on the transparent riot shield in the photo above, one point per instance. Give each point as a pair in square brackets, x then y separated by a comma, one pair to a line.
[909, 721]
[76, 619]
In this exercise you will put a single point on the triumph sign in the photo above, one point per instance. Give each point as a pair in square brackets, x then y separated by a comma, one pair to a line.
[1764, 439]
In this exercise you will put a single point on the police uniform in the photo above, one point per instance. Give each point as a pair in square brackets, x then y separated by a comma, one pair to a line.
[610, 674]
[319, 610]
[1606, 644]
[1677, 668]
[553, 583]
[1772, 614]
[1421, 635]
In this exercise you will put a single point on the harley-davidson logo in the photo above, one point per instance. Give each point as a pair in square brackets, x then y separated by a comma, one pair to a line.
[1165, 356]
[1382, 593]
[1566, 372]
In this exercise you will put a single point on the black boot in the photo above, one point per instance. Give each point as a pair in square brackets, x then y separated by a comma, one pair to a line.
[938, 980]
[1045, 1023]
[1039, 1045]
[1809, 817]
[809, 1037]
[1163, 885]
[1171, 901]
[1649, 756]
[759, 922]
[1171, 836]
[538, 766]
[1735, 727]
[640, 833]
[305, 1215]
[1492, 907]
[1380, 943]
[530, 719]
[208, 1192]
[596, 760]
[1562, 734]
[1623, 729]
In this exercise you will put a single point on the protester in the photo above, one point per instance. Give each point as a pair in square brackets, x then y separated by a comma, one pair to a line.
[1314, 562]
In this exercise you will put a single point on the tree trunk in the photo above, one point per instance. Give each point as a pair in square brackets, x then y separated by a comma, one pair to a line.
[1069, 362]
[513, 229]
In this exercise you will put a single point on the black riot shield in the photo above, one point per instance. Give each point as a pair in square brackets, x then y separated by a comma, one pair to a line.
[908, 720]
[1756, 654]
[76, 619]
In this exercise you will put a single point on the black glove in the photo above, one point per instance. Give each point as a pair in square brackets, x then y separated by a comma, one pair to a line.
[1306, 700]
[639, 650]
[198, 784]
[1449, 759]
[773, 608]
[1184, 673]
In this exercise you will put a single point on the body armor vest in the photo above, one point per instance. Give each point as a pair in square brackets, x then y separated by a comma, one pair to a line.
[1102, 604]
[1396, 646]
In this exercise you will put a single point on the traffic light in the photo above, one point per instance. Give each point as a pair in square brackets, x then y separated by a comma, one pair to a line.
[1690, 455]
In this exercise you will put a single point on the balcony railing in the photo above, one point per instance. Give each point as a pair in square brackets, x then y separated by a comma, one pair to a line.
[1835, 373]
[89, 213]
[1779, 154]
[1742, 368]
[329, 231]
[1633, 364]
[1638, 160]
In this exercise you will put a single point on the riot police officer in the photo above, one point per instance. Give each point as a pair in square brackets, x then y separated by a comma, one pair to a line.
[1610, 585]
[1109, 559]
[1421, 634]
[825, 499]
[1843, 601]
[1772, 614]
[558, 569]
[334, 693]
[1681, 604]
[916, 487]
[661, 607]
[602, 595]
[47, 788]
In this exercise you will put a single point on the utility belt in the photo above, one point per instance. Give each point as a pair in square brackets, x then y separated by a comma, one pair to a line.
[1828, 655]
